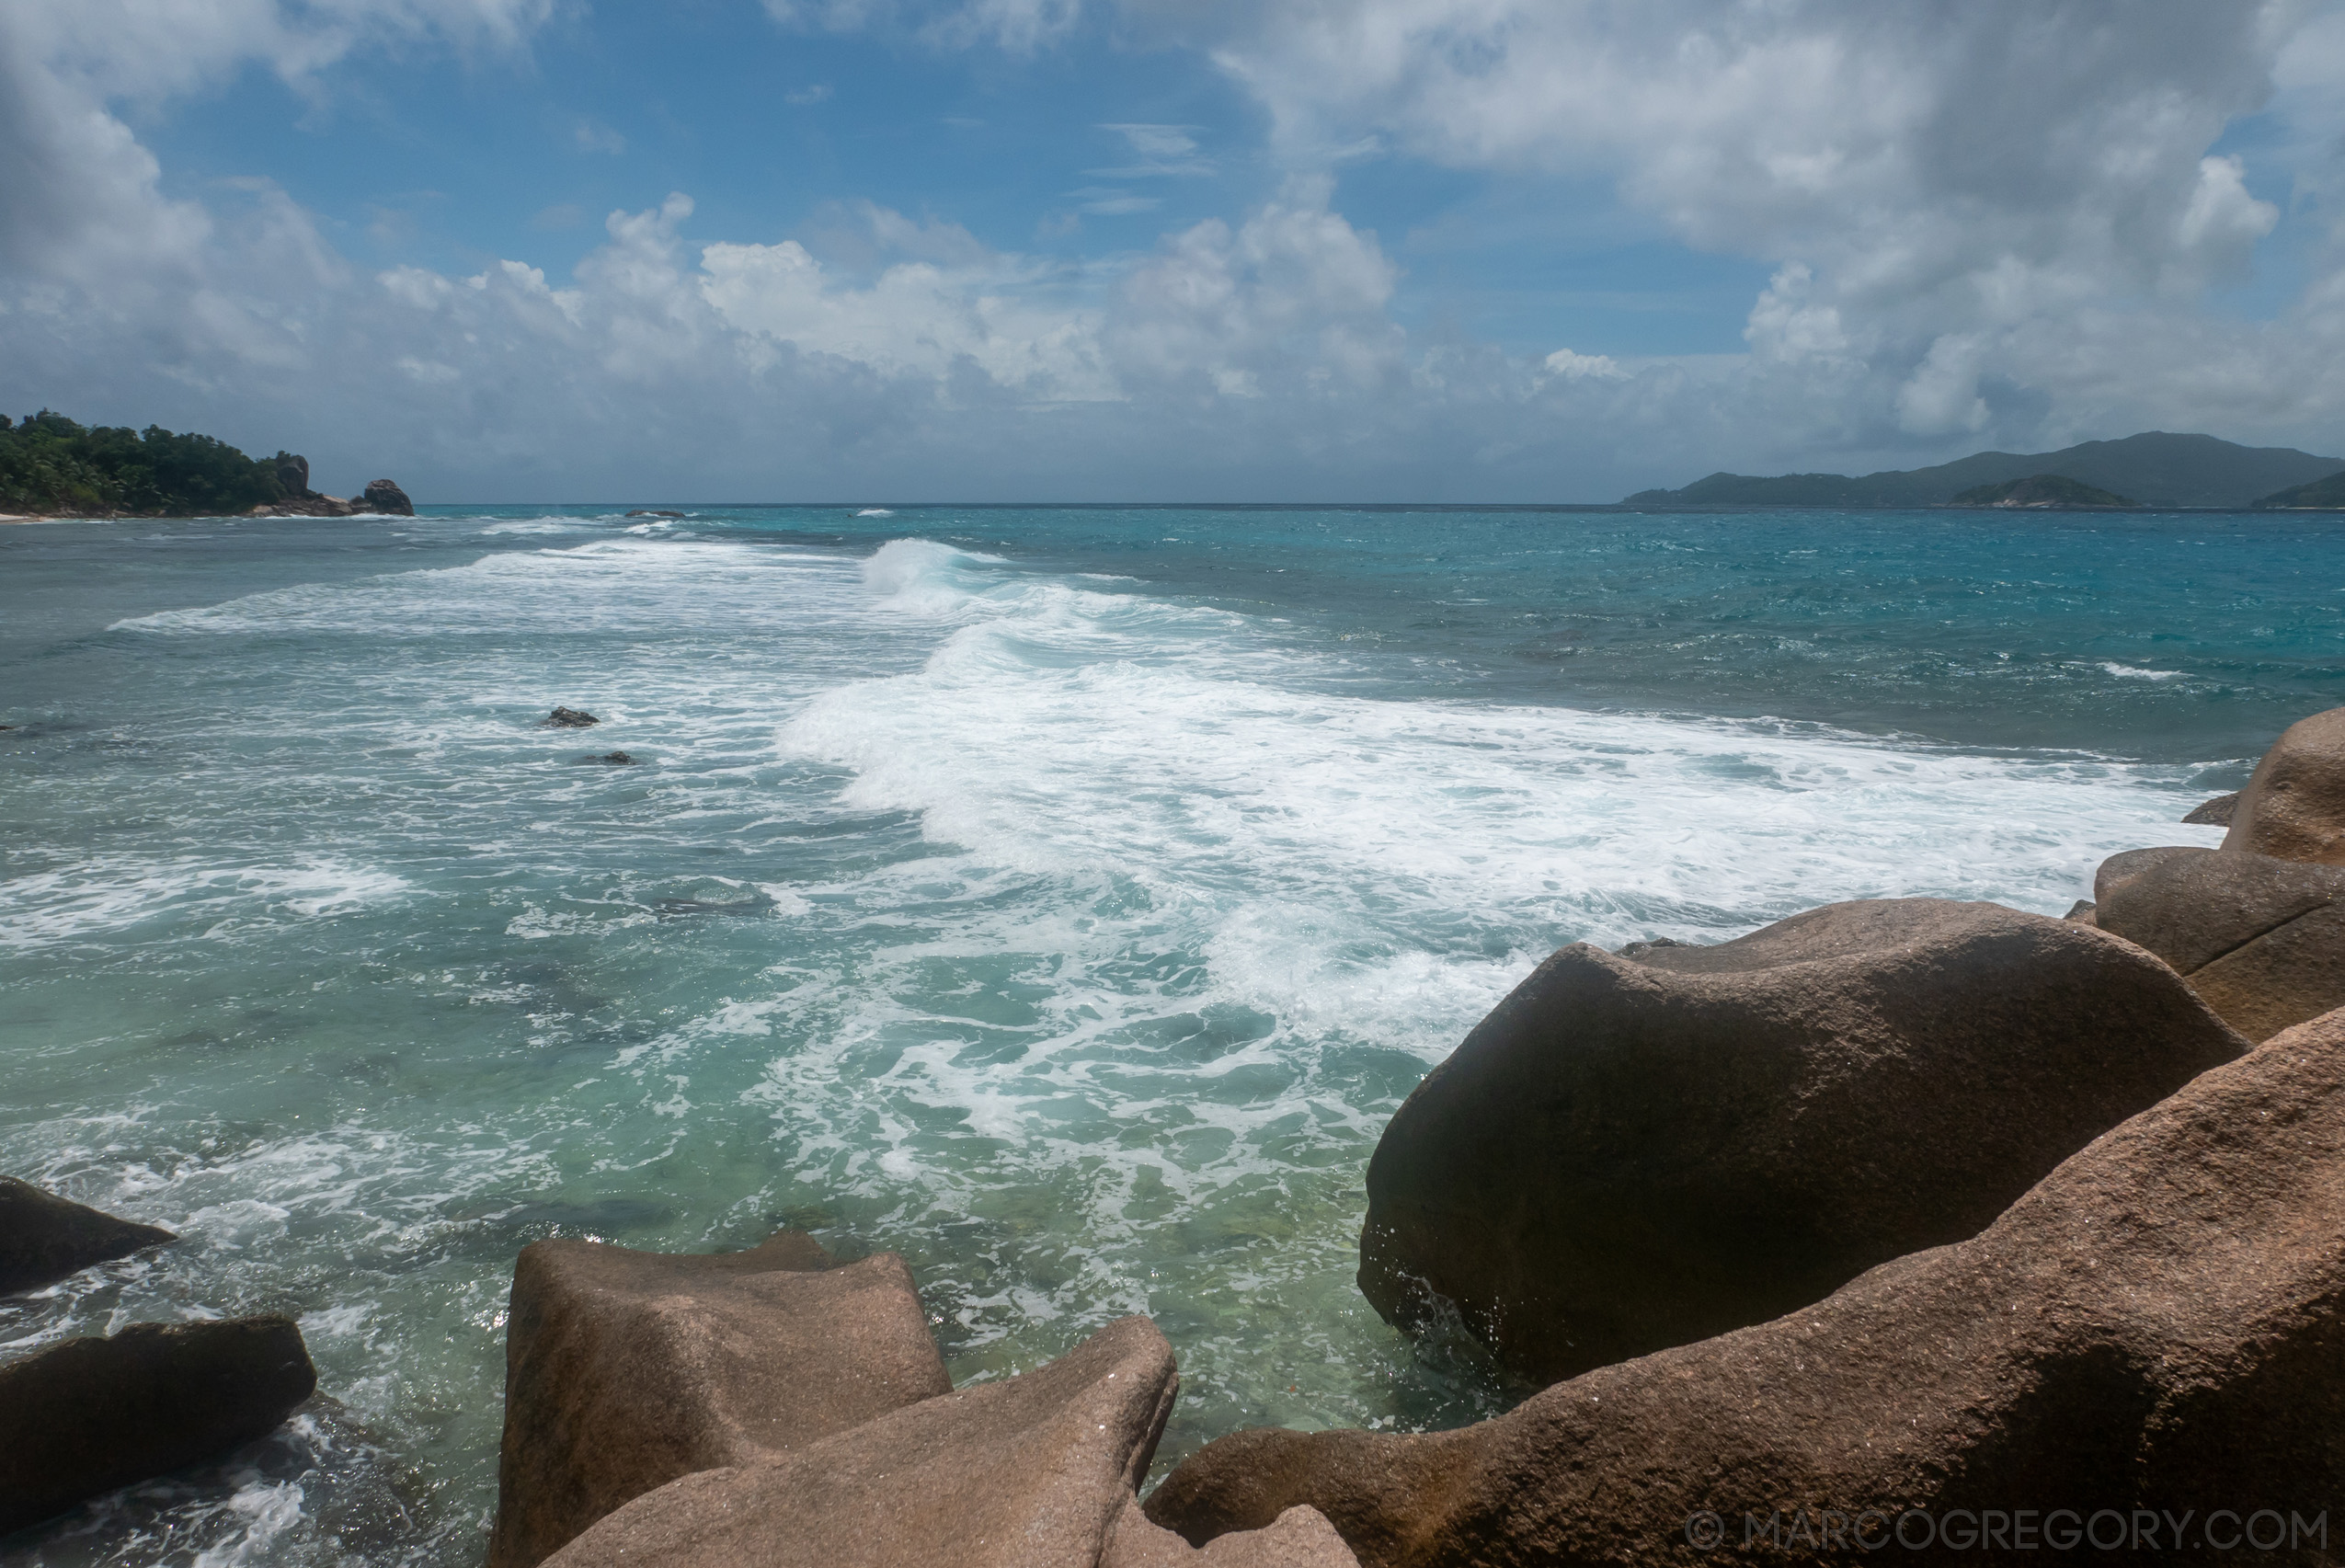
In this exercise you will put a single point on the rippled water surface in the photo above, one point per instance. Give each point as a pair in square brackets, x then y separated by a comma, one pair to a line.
[1062, 898]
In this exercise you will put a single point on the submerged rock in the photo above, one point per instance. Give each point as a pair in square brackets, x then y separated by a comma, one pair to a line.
[44, 1237]
[1629, 1154]
[2293, 807]
[625, 1371]
[2261, 940]
[614, 758]
[1036, 1470]
[567, 719]
[88, 1416]
[2157, 1324]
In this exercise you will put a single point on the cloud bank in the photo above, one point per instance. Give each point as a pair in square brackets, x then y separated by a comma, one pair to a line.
[1989, 222]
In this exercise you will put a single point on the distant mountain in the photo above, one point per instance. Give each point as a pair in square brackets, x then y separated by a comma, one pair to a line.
[2328, 494]
[2049, 490]
[2163, 470]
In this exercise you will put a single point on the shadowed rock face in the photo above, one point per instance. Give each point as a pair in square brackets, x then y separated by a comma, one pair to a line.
[44, 1237]
[2261, 940]
[1034, 1471]
[2159, 1324]
[88, 1416]
[2293, 807]
[382, 496]
[625, 1371]
[1634, 1153]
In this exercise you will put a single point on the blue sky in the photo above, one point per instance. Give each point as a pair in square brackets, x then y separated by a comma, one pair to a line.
[1328, 249]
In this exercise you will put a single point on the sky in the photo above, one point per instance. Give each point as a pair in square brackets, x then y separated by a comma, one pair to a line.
[1312, 250]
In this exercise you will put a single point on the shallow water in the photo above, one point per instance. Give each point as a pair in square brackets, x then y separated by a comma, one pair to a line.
[1063, 899]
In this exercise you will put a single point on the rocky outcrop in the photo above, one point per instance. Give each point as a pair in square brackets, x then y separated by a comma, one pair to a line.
[2158, 1324]
[1629, 1154]
[2263, 941]
[2214, 813]
[625, 1371]
[2293, 807]
[567, 719]
[44, 1237]
[1033, 1472]
[382, 496]
[88, 1416]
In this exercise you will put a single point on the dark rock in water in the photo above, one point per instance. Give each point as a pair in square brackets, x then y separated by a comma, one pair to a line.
[2157, 1324]
[88, 1416]
[655, 514]
[2263, 941]
[44, 1237]
[1034, 1470]
[625, 1371]
[2293, 807]
[382, 496]
[2215, 813]
[567, 719]
[1634, 1153]
[1639, 949]
[615, 759]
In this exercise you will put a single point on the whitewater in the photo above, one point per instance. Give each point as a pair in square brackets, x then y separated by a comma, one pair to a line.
[1063, 899]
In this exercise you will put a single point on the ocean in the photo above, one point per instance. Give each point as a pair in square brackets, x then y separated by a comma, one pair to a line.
[1061, 898]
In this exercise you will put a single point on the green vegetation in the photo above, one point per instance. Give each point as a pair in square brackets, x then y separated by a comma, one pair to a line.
[2041, 490]
[49, 463]
[2325, 494]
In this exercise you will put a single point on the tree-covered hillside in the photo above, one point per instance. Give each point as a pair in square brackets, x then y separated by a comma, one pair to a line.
[49, 463]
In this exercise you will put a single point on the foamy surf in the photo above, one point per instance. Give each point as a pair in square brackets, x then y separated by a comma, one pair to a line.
[1069, 921]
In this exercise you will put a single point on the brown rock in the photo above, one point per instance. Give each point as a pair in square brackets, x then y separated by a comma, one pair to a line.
[88, 1416]
[2263, 941]
[2215, 813]
[44, 1237]
[1634, 1153]
[1299, 1537]
[2158, 1324]
[1033, 1472]
[625, 1371]
[2294, 805]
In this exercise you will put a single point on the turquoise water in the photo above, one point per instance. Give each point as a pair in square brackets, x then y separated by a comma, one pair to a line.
[1062, 898]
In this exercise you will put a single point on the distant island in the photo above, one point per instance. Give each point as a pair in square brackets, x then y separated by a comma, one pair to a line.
[52, 466]
[2042, 490]
[2321, 494]
[2158, 468]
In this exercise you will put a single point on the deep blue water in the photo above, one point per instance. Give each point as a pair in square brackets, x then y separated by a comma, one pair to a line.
[1063, 898]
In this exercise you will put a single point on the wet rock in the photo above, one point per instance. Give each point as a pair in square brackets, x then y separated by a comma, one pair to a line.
[86, 1416]
[1032, 1472]
[1629, 1154]
[567, 719]
[2263, 941]
[2215, 813]
[44, 1237]
[2293, 807]
[625, 1371]
[2157, 1324]
[612, 759]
